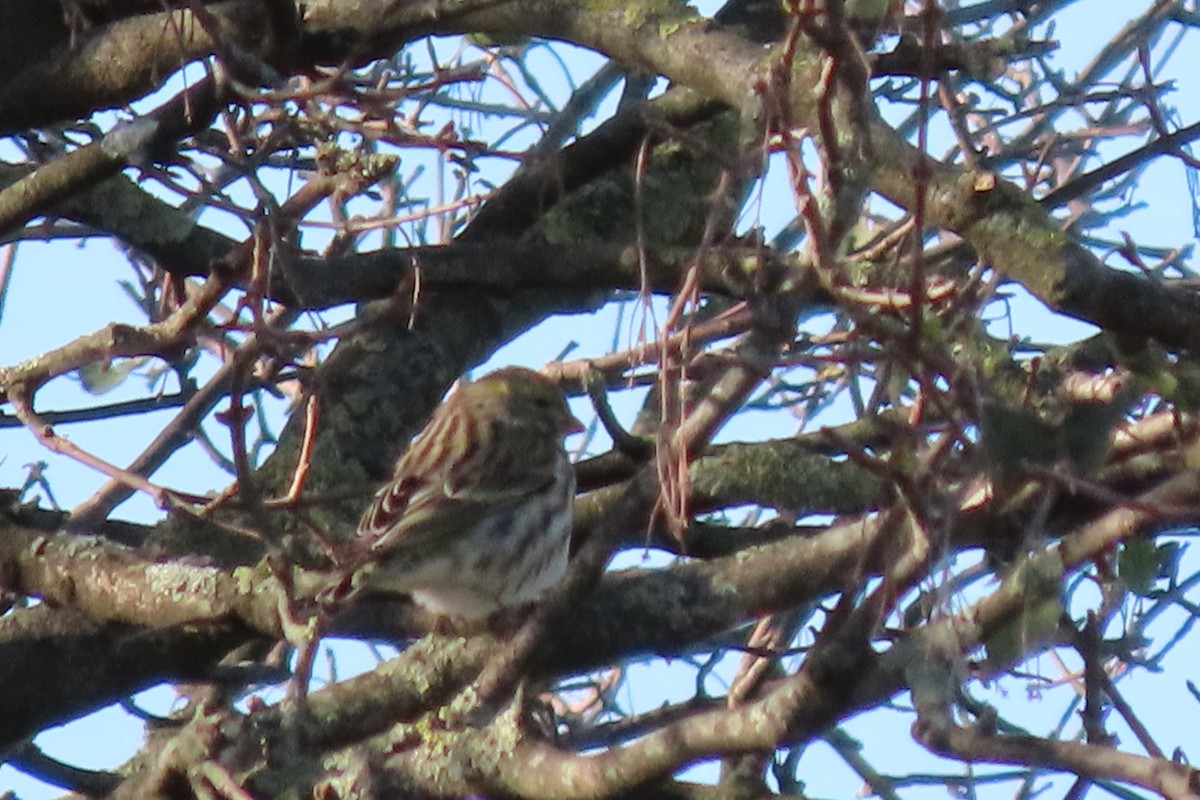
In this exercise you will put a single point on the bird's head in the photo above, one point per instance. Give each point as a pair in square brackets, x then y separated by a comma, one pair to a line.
[524, 398]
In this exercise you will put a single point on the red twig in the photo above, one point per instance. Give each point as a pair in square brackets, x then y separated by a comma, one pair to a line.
[179, 431]
[304, 463]
[46, 436]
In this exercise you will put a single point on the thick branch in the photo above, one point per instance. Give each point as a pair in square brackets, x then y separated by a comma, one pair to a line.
[67, 664]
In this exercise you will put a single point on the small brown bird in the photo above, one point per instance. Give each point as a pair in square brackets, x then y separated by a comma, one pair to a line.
[478, 513]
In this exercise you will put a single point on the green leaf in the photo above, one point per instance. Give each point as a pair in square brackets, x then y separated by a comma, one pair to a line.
[1011, 438]
[1137, 564]
[1086, 434]
[1140, 564]
[1035, 628]
[100, 377]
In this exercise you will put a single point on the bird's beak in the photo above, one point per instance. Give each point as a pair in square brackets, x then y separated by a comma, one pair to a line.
[574, 426]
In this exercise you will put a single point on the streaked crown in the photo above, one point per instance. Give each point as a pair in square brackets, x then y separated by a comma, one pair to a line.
[521, 397]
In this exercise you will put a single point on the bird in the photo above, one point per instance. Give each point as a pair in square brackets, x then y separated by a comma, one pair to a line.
[477, 514]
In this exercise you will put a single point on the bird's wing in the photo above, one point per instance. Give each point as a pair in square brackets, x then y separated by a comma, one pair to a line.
[414, 514]
[423, 516]
[431, 502]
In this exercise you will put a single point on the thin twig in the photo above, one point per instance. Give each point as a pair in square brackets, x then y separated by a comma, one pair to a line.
[179, 432]
[49, 439]
[304, 462]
